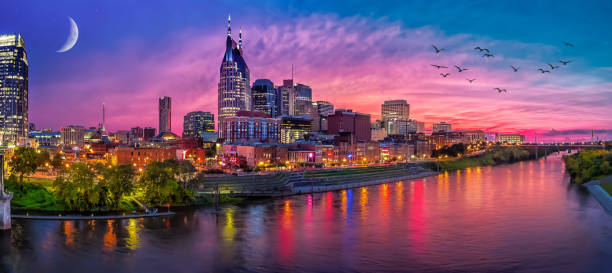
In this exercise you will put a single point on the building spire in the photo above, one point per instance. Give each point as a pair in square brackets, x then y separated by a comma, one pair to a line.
[240, 39]
[229, 28]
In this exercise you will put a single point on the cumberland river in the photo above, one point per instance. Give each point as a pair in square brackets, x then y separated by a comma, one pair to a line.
[523, 217]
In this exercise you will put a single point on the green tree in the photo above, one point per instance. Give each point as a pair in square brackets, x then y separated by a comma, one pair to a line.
[42, 157]
[57, 162]
[117, 182]
[79, 190]
[23, 162]
[157, 185]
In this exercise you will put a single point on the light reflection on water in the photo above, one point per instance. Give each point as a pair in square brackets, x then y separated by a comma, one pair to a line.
[523, 217]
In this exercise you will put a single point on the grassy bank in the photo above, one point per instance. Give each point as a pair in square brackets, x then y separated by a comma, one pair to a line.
[494, 156]
[607, 188]
[588, 165]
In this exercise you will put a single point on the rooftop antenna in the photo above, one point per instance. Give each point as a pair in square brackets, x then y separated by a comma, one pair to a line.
[292, 73]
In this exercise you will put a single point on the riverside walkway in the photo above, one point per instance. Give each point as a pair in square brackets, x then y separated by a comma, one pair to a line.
[291, 183]
[82, 217]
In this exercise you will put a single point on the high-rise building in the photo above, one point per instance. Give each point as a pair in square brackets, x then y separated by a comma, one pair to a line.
[165, 115]
[234, 91]
[263, 97]
[393, 110]
[73, 135]
[441, 127]
[136, 132]
[13, 89]
[303, 93]
[287, 98]
[198, 122]
[148, 133]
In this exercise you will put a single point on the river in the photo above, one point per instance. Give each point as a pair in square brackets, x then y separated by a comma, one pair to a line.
[523, 217]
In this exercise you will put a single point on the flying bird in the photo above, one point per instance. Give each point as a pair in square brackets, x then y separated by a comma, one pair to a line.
[438, 66]
[565, 62]
[499, 90]
[488, 55]
[481, 49]
[444, 75]
[470, 80]
[436, 48]
[553, 66]
[543, 70]
[568, 44]
[460, 69]
[514, 68]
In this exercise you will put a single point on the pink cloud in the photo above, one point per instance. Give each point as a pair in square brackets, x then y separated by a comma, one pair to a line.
[353, 62]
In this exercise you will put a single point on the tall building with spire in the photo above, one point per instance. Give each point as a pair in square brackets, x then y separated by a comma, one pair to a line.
[13, 89]
[234, 91]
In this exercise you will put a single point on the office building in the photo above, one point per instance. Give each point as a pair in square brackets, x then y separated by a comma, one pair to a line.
[294, 128]
[441, 127]
[349, 126]
[510, 138]
[287, 98]
[13, 89]
[198, 122]
[325, 109]
[249, 126]
[72, 135]
[234, 91]
[165, 115]
[136, 132]
[148, 133]
[263, 97]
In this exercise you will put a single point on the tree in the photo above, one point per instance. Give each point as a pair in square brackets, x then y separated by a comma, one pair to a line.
[23, 162]
[117, 182]
[57, 162]
[42, 157]
[79, 190]
[157, 185]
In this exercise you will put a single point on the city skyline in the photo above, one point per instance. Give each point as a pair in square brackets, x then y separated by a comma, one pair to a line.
[355, 62]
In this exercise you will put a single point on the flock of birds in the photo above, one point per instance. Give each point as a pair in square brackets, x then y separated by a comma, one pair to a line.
[487, 54]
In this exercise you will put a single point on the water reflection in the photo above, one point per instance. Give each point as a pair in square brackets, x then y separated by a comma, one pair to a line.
[518, 218]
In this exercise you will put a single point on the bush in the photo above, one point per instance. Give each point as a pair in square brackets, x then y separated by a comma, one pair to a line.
[588, 165]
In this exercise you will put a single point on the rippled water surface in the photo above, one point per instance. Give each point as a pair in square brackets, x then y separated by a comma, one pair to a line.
[523, 217]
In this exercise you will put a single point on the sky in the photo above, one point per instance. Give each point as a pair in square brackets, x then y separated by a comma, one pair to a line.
[355, 54]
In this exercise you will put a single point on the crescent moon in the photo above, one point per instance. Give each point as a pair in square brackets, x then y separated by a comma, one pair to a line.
[72, 38]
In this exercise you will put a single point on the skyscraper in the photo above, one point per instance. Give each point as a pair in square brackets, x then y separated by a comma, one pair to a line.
[13, 89]
[394, 112]
[264, 97]
[197, 122]
[234, 91]
[398, 109]
[165, 114]
[287, 97]
[303, 93]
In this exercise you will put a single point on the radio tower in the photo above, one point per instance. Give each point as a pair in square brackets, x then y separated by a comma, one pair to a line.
[103, 120]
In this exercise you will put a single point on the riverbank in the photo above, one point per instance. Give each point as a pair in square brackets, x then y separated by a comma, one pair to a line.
[292, 183]
[588, 165]
[601, 190]
[492, 157]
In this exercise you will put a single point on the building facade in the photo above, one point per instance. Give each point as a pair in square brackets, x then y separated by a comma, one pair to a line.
[350, 126]
[73, 135]
[510, 138]
[148, 133]
[249, 126]
[197, 122]
[13, 89]
[234, 91]
[294, 128]
[263, 97]
[441, 127]
[165, 115]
